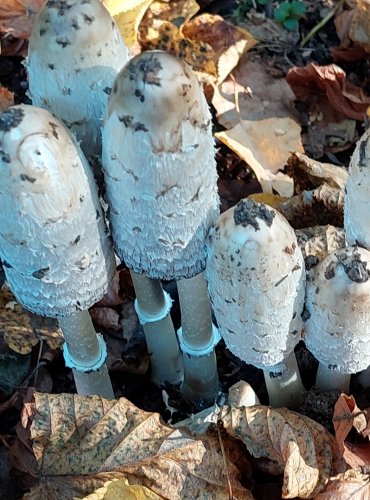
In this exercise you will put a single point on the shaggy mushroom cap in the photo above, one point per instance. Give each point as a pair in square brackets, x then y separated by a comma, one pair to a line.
[256, 275]
[159, 166]
[338, 300]
[357, 195]
[54, 244]
[75, 52]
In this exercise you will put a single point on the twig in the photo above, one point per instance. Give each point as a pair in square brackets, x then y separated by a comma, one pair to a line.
[229, 487]
[321, 24]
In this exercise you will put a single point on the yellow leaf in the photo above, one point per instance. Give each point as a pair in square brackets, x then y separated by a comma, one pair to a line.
[272, 200]
[128, 15]
[119, 489]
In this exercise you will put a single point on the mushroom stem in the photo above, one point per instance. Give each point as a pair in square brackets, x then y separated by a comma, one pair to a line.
[283, 383]
[328, 379]
[153, 308]
[198, 338]
[85, 352]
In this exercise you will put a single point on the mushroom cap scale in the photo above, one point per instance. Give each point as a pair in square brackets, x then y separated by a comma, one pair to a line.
[338, 299]
[162, 190]
[54, 244]
[255, 273]
[357, 195]
[75, 50]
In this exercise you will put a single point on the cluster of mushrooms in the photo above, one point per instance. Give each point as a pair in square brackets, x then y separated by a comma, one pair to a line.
[146, 124]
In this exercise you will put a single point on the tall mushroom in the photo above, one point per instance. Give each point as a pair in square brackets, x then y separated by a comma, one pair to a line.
[54, 244]
[160, 175]
[337, 331]
[256, 278]
[75, 52]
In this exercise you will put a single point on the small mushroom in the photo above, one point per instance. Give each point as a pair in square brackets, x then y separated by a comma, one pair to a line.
[256, 275]
[54, 244]
[75, 52]
[337, 331]
[161, 183]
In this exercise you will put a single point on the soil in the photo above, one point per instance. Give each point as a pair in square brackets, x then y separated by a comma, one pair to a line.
[236, 181]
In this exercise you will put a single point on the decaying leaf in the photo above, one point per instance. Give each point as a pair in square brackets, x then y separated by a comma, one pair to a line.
[73, 444]
[253, 93]
[349, 485]
[16, 16]
[320, 85]
[265, 146]
[6, 98]
[359, 29]
[128, 15]
[320, 241]
[301, 446]
[21, 329]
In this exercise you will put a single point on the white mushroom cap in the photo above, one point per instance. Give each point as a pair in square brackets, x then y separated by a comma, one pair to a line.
[75, 52]
[54, 244]
[256, 275]
[338, 300]
[357, 195]
[159, 166]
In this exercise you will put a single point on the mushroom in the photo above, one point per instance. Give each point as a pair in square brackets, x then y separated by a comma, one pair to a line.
[75, 52]
[337, 331]
[54, 245]
[161, 183]
[256, 275]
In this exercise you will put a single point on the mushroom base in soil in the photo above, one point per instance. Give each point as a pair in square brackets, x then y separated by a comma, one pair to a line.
[153, 307]
[54, 243]
[337, 331]
[256, 277]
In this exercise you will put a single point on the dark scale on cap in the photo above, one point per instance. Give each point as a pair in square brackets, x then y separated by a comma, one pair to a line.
[354, 267]
[88, 19]
[149, 66]
[247, 211]
[10, 118]
[40, 273]
[363, 160]
[329, 271]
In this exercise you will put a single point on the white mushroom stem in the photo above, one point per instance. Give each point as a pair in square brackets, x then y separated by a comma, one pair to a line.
[198, 338]
[328, 379]
[283, 383]
[153, 308]
[85, 353]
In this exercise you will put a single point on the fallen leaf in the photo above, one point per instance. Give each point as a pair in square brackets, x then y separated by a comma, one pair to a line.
[121, 489]
[320, 241]
[320, 85]
[74, 444]
[16, 16]
[6, 98]
[13, 370]
[23, 330]
[351, 484]
[253, 93]
[228, 42]
[359, 30]
[105, 318]
[301, 446]
[265, 146]
[128, 16]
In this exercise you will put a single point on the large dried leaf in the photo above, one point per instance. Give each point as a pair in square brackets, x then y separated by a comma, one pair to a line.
[74, 444]
[302, 447]
[128, 15]
[21, 329]
[265, 145]
[320, 241]
[349, 485]
[253, 92]
[359, 30]
[16, 16]
[320, 85]
[121, 489]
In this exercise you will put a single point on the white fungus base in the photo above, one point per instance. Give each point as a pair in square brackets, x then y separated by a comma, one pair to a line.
[54, 243]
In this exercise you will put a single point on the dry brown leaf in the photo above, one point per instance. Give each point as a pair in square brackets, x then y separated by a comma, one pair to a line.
[74, 444]
[16, 16]
[105, 318]
[121, 489]
[253, 93]
[301, 446]
[21, 329]
[320, 241]
[320, 85]
[359, 30]
[351, 484]
[6, 98]
[265, 146]
[308, 173]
